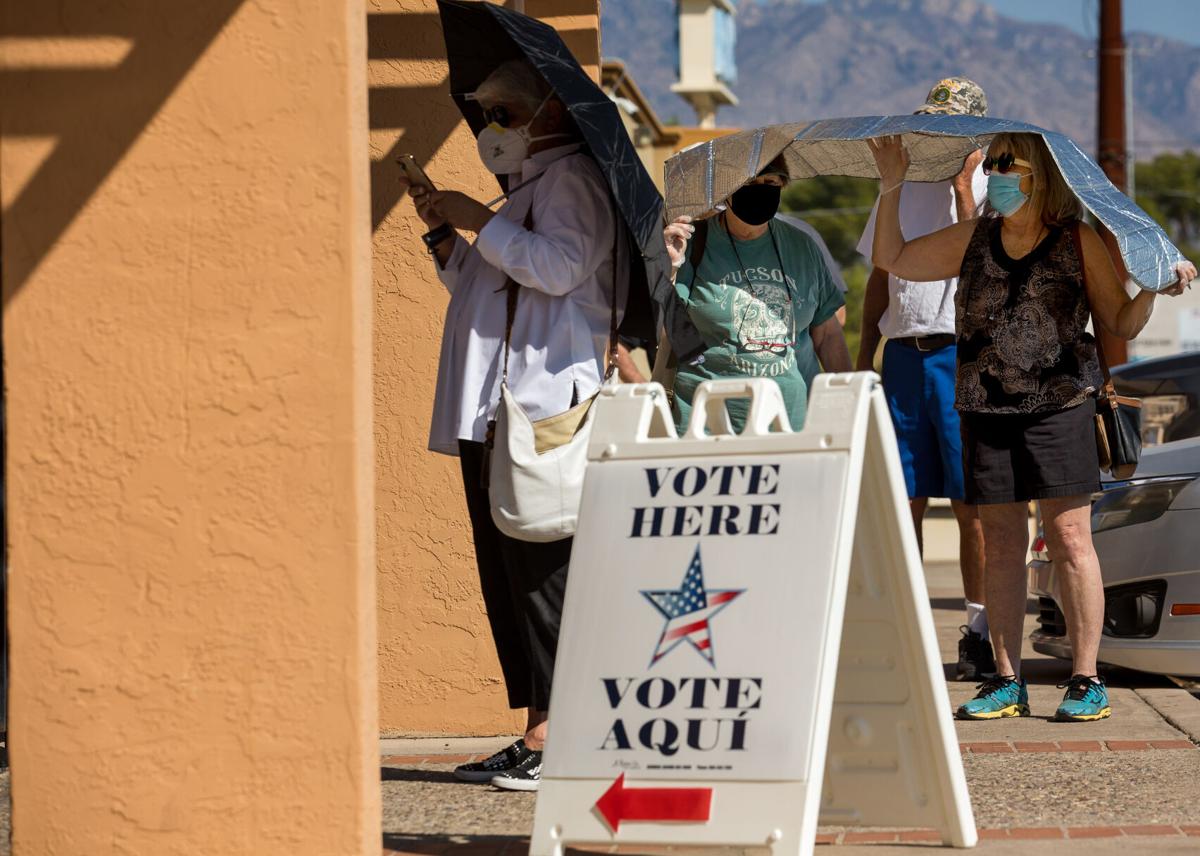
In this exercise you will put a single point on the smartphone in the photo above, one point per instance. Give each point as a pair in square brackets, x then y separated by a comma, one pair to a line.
[414, 173]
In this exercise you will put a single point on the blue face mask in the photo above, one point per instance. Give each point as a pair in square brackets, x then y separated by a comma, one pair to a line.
[1004, 193]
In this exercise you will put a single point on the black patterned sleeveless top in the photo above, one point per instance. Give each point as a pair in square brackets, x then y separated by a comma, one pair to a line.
[1023, 345]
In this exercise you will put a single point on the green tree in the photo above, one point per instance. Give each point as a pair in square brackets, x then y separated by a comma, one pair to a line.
[856, 287]
[1168, 189]
[837, 207]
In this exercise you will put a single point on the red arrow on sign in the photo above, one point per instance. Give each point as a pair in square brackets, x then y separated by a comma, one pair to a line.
[653, 804]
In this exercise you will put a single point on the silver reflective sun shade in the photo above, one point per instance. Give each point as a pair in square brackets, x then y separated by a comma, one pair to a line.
[700, 178]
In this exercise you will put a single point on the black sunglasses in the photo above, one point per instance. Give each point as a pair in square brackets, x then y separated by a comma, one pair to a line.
[1003, 163]
[498, 115]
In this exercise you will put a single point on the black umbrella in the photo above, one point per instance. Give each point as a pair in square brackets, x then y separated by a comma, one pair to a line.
[479, 37]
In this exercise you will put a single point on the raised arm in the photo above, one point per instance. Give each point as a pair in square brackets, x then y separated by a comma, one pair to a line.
[875, 302]
[450, 251]
[572, 236]
[1112, 307]
[965, 206]
[938, 255]
[676, 236]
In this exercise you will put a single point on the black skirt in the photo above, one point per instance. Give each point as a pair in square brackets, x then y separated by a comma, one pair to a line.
[523, 586]
[1019, 457]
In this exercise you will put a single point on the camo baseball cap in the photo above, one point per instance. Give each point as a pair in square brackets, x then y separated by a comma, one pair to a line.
[955, 96]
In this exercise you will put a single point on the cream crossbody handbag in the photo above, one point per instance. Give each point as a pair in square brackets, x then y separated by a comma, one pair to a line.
[534, 469]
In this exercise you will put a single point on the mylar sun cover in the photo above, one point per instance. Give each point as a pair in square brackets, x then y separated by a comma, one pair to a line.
[705, 175]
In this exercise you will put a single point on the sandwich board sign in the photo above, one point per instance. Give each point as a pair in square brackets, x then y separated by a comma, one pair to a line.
[747, 647]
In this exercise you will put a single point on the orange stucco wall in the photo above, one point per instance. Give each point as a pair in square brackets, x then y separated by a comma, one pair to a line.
[438, 668]
[187, 321]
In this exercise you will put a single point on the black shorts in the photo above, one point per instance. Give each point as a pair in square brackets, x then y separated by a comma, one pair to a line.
[1018, 457]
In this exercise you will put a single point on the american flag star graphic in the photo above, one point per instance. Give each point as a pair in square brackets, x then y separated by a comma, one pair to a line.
[688, 610]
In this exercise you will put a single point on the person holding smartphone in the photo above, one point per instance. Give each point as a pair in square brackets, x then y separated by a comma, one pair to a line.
[555, 238]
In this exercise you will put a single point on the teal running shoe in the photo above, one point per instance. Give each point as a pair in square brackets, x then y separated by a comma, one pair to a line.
[1086, 700]
[998, 697]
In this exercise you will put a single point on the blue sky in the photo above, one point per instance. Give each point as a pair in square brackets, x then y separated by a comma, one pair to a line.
[1178, 19]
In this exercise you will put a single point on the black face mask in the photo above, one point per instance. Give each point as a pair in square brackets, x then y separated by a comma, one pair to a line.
[755, 204]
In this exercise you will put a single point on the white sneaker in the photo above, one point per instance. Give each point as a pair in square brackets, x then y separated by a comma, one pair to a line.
[523, 777]
[489, 768]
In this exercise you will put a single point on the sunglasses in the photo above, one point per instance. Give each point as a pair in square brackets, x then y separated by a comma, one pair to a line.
[1004, 163]
[498, 115]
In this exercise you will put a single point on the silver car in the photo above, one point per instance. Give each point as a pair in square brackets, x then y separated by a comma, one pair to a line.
[1147, 535]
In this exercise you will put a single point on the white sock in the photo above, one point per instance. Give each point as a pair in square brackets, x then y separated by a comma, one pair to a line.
[977, 619]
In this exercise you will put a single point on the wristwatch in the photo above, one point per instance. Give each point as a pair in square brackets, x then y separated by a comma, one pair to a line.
[435, 236]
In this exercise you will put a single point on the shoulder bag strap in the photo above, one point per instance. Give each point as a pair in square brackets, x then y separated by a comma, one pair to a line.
[696, 252]
[1075, 240]
[1108, 384]
[1109, 391]
[512, 290]
[612, 324]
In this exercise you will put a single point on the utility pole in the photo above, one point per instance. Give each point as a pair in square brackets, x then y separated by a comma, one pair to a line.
[1111, 151]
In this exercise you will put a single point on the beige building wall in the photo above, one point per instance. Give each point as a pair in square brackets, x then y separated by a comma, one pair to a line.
[438, 667]
[698, 83]
[187, 313]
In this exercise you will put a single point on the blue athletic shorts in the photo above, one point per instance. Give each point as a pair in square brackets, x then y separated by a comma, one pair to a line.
[919, 387]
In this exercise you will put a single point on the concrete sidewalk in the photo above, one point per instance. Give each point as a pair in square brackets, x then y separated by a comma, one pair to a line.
[1128, 784]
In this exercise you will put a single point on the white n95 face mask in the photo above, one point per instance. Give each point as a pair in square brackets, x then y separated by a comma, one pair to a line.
[503, 150]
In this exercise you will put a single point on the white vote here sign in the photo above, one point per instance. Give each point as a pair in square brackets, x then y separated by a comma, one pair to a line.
[704, 691]
[708, 569]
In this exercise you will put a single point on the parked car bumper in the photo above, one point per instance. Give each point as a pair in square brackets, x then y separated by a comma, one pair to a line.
[1146, 532]
[1173, 649]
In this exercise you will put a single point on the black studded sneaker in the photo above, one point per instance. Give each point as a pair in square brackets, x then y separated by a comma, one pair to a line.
[485, 770]
[523, 777]
[975, 660]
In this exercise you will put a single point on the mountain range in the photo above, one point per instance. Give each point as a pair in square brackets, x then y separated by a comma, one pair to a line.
[800, 60]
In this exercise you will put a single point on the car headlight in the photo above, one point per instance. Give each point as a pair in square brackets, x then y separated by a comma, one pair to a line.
[1136, 502]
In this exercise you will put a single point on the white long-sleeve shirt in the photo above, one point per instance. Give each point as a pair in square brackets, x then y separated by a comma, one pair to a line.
[561, 329]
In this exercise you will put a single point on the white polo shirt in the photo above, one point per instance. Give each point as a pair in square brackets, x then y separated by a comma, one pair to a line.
[922, 308]
[560, 333]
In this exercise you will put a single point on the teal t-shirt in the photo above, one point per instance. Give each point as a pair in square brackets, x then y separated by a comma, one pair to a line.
[754, 308]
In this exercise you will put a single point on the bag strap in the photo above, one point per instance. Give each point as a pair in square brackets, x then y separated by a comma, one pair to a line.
[613, 349]
[1074, 230]
[1109, 390]
[696, 252]
[513, 290]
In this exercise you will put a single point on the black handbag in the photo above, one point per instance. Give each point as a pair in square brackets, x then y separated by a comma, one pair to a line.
[1118, 426]
[1118, 417]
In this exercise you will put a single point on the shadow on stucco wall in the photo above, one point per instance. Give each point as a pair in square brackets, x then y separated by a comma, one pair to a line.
[92, 109]
[411, 37]
[417, 37]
